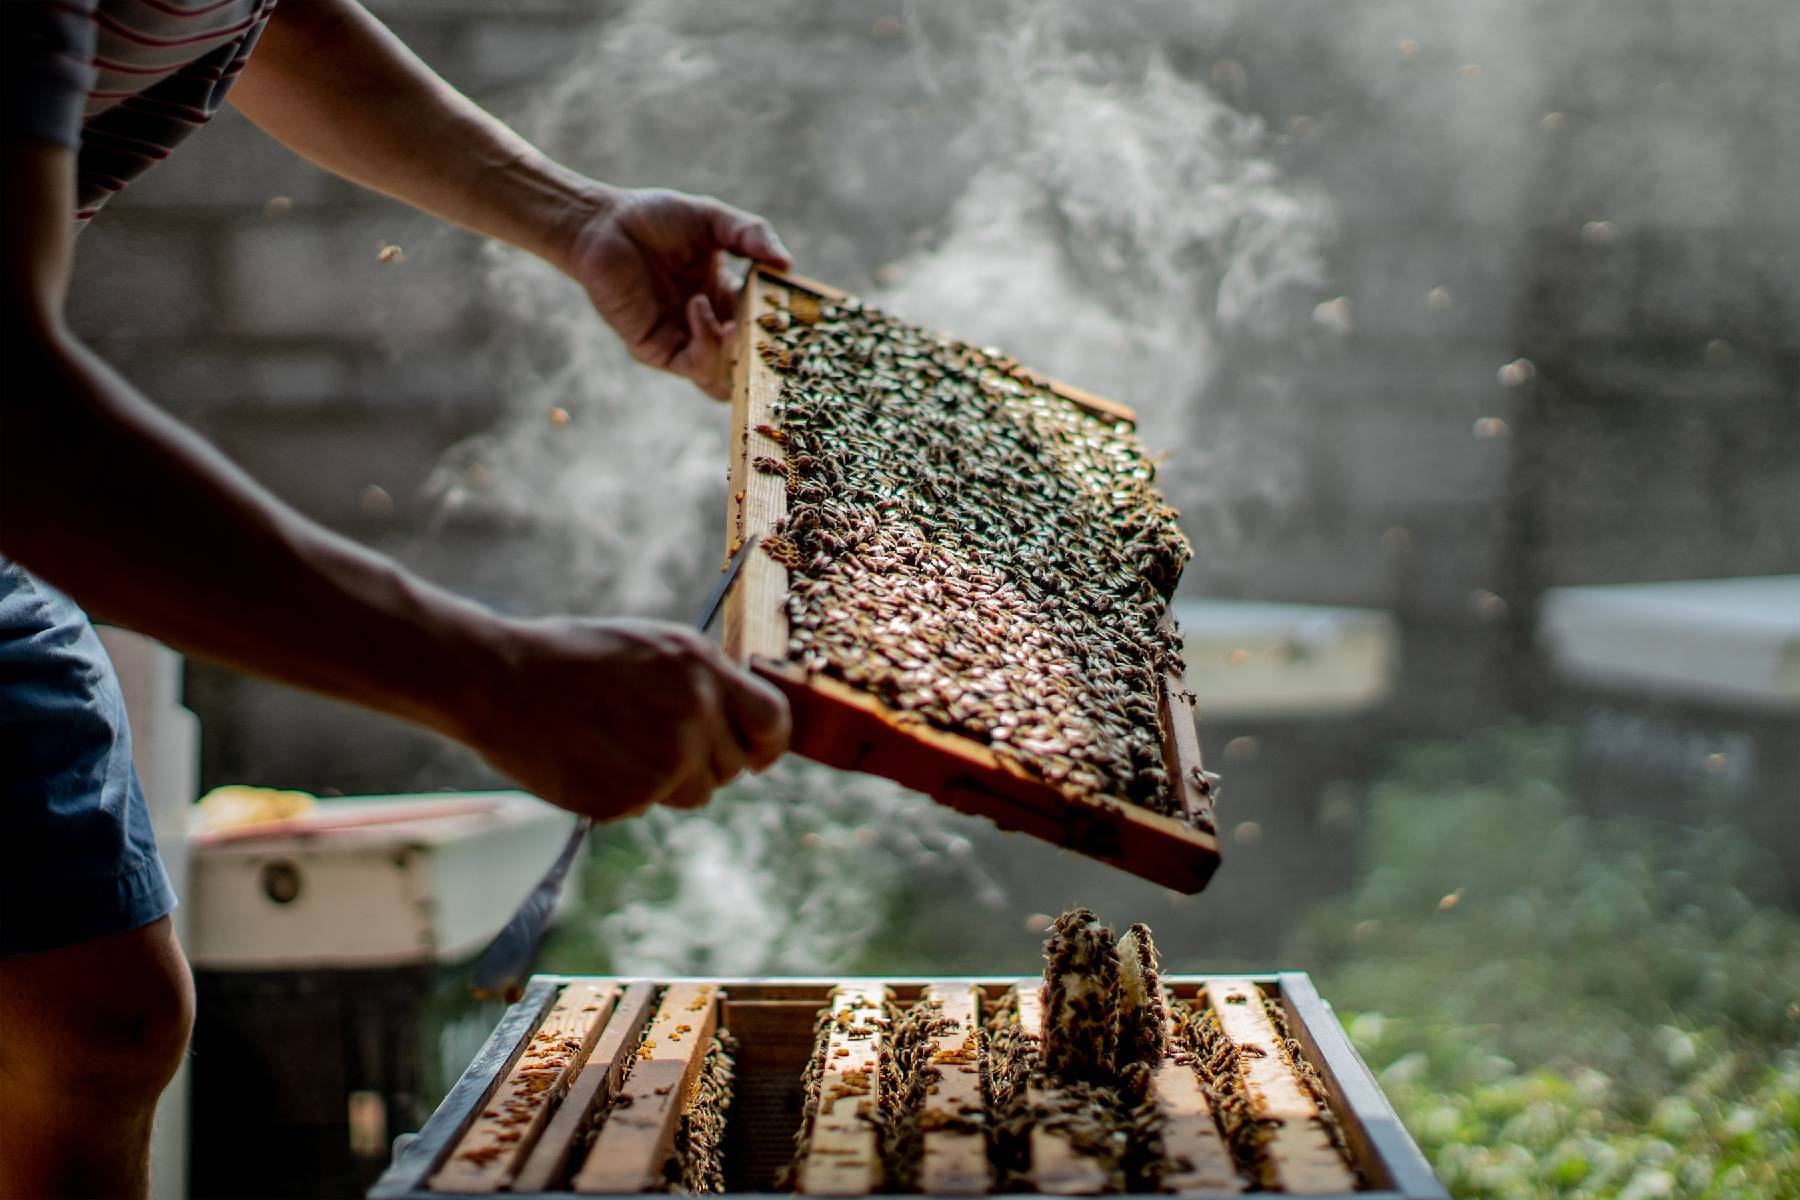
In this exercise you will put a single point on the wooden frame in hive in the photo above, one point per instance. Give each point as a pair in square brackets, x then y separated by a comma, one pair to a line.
[773, 1021]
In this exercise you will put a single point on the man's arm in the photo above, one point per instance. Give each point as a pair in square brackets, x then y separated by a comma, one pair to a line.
[333, 84]
[144, 523]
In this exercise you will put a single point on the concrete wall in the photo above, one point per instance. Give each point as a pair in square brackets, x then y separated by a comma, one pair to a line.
[1607, 194]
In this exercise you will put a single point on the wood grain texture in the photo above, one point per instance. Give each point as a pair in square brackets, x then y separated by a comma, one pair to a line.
[1301, 1155]
[1192, 786]
[547, 1166]
[843, 1157]
[953, 1158]
[1198, 1158]
[490, 1152]
[756, 612]
[1057, 1168]
[850, 729]
[632, 1146]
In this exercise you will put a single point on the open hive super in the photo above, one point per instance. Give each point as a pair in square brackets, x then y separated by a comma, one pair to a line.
[1099, 1078]
[961, 580]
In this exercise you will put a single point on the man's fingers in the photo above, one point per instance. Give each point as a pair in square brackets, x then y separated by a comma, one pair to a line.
[703, 358]
[727, 755]
[692, 792]
[724, 291]
[702, 320]
[749, 237]
[662, 346]
[759, 713]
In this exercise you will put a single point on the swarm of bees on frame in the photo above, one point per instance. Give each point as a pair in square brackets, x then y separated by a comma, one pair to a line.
[697, 1162]
[973, 548]
[1084, 1071]
[1221, 1063]
[908, 1075]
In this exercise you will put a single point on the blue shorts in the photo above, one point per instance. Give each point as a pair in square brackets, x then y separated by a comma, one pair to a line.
[77, 857]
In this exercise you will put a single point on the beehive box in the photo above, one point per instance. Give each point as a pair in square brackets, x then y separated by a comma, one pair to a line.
[854, 725]
[538, 1113]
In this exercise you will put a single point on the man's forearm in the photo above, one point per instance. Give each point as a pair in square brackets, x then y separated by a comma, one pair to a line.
[124, 508]
[333, 84]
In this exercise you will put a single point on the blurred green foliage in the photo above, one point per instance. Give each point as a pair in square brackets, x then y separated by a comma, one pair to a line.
[1563, 1006]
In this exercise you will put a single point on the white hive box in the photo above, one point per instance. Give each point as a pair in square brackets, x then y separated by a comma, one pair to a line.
[1732, 641]
[1248, 658]
[424, 889]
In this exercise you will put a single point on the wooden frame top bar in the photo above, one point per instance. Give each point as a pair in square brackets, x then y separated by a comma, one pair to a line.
[628, 1155]
[595, 1087]
[1199, 1158]
[1056, 1167]
[1390, 1163]
[843, 1157]
[954, 1159]
[1298, 1151]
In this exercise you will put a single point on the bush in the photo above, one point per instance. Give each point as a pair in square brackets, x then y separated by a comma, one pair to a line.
[1565, 1006]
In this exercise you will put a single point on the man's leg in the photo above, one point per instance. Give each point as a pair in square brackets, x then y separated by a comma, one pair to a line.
[90, 1034]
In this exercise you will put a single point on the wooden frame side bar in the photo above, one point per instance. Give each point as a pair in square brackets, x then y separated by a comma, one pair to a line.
[1372, 1128]
[1298, 1150]
[629, 1152]
[756, 610]
[414, 1165]
[843, 1157]
[595, 1087]
[491, 1150]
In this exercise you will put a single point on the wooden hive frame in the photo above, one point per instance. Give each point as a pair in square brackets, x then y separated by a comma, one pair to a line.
[773, 1021]
[845, 727]
[843, 1154]
[953, 1161]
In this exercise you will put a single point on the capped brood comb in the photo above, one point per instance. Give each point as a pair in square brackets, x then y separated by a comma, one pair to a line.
[964, 580]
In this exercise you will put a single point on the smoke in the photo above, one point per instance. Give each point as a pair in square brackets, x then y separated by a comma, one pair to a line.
[1032, 176]
[1122, 229]
[795, 871]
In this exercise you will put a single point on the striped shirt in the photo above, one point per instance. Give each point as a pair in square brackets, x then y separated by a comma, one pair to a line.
[121, 82]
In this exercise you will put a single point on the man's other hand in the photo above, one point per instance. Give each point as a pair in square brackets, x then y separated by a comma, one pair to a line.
[653, 262]
[606, 718]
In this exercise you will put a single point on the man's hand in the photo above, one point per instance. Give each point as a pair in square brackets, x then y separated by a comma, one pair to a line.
[606, 718]
[601, 717]
[653, 262]
[330, 82]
